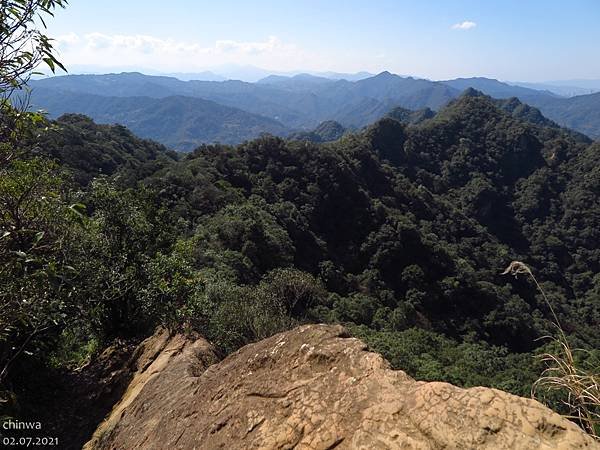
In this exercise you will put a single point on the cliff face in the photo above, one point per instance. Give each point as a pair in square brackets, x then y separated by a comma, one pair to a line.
[313, 388]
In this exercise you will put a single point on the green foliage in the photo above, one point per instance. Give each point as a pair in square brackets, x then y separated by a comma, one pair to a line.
[73, 348]
[236, 315]
[91, 150]
[38, 228]
[327, 131]
[181, 293]
[172, 284]
[298, 292]
[228, 314]
[427, 355]
[24, 45]
[126, 231]
[39, 231]
[245, 238]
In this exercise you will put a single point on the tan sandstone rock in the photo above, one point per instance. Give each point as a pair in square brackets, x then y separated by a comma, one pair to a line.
[314, 388]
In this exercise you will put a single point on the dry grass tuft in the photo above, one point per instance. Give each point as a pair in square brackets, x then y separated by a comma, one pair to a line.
[563, 375]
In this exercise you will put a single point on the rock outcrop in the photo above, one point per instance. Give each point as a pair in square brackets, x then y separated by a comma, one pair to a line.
[313, 388]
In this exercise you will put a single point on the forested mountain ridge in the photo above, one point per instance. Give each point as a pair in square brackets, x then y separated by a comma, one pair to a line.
[297, 107]
[300, 82]
[178, 122]
[400, 232]
[90, 150]
[327, 131]
[445, 204]
[409, 117]
[476, 158]
[581, 113]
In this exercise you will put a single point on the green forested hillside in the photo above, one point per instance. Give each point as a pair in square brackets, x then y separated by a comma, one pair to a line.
[447, 203]
[90, 150]
[409, 117]
[400, 232]
[327, 131]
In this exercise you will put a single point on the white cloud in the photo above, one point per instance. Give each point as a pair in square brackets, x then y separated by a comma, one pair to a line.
[272, 44]
[66, 40]
[151, 51]
[465, 25]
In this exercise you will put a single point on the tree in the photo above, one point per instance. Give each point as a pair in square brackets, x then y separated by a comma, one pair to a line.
[23, 46]
[37, 233]
[35, 220]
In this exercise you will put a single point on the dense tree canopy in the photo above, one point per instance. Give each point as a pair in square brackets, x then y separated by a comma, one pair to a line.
[400, 231]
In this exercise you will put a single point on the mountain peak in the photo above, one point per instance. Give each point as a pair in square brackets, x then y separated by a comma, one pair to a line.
[385, 74]
[472, 92]
[495, 80]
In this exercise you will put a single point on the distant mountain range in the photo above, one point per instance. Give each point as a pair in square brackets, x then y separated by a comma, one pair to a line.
[179, 122]
[565, 88]
[497, 89]
[224, 72]
[581, 113]
[299, 103]
[183, 114]
[202, 76]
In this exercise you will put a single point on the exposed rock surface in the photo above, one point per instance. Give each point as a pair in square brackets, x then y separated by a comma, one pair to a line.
[313, 388]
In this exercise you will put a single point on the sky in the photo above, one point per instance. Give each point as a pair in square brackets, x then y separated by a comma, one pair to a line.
[518, 40]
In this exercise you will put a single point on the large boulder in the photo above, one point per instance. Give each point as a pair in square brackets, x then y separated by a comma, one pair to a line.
[315, 388]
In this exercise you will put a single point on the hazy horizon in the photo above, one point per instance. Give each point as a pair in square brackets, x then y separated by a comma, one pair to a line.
[254, 73]
[526, 42]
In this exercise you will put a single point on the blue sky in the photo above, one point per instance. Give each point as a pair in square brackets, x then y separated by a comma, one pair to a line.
[526, 40]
